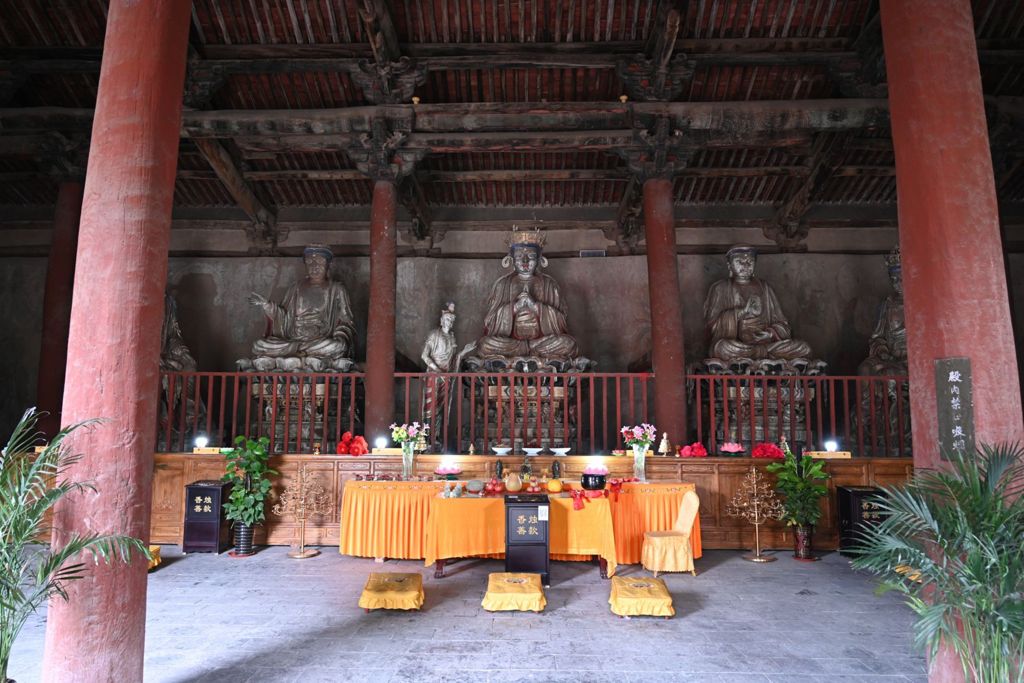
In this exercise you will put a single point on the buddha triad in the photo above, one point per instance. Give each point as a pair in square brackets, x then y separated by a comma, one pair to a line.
[887, 348]
[312, 328]
[526, 315]
[745, 321]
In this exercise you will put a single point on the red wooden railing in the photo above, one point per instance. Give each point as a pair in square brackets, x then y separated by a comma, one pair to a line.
[867, 415]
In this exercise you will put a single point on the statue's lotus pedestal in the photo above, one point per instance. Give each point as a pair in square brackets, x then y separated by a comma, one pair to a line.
[529, 411]
[292, 409]
[772, 402]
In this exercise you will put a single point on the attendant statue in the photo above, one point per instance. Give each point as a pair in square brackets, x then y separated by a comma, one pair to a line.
[745, 321]
[887, 348]
[312, 328]
[174, 354]
[439, 353]
[526, 315]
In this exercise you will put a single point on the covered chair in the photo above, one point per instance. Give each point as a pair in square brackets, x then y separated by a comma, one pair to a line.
[672, 551]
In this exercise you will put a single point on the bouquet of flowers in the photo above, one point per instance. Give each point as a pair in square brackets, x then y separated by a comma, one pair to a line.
[639, 435]
[400, 433]
[352, 445]
[732, 448]
[767, 450]
[694, 450]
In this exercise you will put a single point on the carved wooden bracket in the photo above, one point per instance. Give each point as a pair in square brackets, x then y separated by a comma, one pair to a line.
[202, 81]
[382, 155]
[657, 153]
[389, 82]
[789, 236]
[647, 80]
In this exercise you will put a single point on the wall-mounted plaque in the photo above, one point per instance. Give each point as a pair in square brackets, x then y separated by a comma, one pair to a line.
[955, 404]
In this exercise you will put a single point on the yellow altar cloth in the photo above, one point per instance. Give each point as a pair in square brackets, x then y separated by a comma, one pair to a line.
[385, 518]
[514, 592]
[391, 519]
[640, 597]
[467, 527]
[389, 590]
[648, 507]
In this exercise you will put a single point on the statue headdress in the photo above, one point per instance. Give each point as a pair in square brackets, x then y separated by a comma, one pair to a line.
[533, 238]
[740, 249]
[448, 310]
[893, 260]
[321, 249]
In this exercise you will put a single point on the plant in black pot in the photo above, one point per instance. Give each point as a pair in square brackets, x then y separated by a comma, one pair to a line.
[247, 472]
[799, 480]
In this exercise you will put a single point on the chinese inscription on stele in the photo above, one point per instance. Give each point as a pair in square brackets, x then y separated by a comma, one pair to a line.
[955, 406]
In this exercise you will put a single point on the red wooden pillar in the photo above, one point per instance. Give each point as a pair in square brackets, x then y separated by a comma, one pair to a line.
[953, 269]
[666, 310]
[114, 344]
[60, 278]
[380, 333]
[954, 277]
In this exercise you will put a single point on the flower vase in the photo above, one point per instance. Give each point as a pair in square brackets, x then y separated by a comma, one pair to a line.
[408, 460]
[639, 458]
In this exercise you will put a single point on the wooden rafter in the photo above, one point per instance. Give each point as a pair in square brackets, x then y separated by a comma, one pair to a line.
[264, 234]
[789, 229]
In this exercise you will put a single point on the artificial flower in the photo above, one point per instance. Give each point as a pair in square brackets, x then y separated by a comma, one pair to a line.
[767, 450]
[731, 447]
[694, 450]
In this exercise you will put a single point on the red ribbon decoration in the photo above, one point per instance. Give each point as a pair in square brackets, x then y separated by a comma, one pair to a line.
[578, 497]
[614, 487]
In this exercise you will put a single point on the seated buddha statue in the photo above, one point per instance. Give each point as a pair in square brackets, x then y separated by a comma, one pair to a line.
[887, 348]
[312, 328]
[526, 315]
[744, 319]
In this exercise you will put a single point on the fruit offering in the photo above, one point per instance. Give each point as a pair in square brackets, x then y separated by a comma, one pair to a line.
[555, 486]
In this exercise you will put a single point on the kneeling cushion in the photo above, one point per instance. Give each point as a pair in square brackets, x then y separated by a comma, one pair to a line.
[508, 591]
[640, 597]
[386, 590]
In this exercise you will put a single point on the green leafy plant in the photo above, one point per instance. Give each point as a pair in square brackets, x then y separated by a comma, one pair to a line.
[952, 541]
[32, 571]
[248, 472]
[799, 482]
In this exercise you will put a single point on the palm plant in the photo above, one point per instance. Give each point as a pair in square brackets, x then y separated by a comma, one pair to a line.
[30, 485]
[951, 542]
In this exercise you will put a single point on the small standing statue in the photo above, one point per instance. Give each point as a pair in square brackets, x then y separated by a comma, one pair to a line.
[302, 498]
[664, 447]
[756, 502]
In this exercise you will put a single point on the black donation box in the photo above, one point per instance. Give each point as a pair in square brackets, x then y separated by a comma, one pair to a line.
[206, 528]
[855, 511]
[526, 535]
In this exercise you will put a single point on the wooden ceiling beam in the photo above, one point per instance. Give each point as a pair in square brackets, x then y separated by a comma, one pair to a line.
[264, 234]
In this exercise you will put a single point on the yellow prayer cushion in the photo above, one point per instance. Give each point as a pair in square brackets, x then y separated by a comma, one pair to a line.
[640, 597]
[392, 590]
[508, 591]
[154, 551]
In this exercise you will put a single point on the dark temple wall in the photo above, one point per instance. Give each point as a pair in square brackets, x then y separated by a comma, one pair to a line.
[831, 301]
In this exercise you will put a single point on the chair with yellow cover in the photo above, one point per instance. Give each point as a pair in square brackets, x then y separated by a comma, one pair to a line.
[672, 551]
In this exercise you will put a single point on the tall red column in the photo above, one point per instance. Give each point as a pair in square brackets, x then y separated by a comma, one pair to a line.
[60, 279]
[380, 333]
[954, 277]
[114, 344]
[666, 310]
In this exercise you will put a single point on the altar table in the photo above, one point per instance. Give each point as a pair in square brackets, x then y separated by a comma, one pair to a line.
[392, 519]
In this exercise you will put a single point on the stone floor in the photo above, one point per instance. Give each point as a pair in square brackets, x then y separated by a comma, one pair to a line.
[269, 618]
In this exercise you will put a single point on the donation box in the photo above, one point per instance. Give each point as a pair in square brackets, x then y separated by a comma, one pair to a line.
[206, 528]
[526, 535]
[855, 511]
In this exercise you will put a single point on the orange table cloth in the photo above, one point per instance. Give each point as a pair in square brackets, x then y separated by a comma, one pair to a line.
[386, 518]
[390, 519]
[648, 507]
[466, 527]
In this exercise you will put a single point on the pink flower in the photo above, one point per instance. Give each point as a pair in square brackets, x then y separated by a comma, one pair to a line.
[694, 450]
[732, 447]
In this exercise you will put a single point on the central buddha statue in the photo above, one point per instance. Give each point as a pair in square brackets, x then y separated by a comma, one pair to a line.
[526, 315]
[312, 328]
[746, 323]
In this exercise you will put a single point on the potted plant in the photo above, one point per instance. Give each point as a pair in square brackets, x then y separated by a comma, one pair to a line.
[247, 472]
[30, 485]
[950, 541]
[799, 481]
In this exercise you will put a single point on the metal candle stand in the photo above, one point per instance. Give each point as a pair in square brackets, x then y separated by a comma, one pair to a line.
[304, 497]
[755, 502]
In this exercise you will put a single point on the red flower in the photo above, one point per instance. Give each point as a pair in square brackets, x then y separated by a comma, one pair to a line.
[767, 450]
[694, 450]
[352, 445]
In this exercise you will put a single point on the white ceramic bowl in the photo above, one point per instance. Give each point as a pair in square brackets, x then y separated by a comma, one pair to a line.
[532, 451]
[501, 450]
[560, 451]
